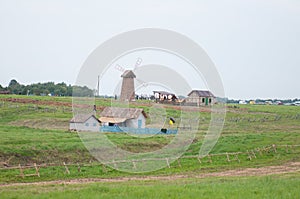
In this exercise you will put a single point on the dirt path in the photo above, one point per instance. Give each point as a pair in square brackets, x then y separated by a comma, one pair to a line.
[269, 170]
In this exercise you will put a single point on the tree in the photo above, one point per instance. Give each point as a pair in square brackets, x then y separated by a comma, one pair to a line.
[60, 89]
[13, 82]
[14, 87]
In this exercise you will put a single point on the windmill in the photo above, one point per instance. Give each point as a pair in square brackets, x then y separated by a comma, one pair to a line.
[127, 90]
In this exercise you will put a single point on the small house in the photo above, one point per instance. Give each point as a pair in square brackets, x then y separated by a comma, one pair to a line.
[200, 98]
[84, 122]
[163, 96]
[125, 117]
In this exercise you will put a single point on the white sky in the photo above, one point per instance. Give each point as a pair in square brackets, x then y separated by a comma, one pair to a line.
[254, 44]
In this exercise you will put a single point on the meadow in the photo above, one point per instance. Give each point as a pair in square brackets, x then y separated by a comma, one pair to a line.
[34, 129]
[279, 186]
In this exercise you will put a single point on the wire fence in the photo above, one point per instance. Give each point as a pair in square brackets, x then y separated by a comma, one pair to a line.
[227, 156]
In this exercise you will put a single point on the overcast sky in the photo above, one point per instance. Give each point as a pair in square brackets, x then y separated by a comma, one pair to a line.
[254, 44]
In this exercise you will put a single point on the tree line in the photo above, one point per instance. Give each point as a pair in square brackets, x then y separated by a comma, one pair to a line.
[48, 88]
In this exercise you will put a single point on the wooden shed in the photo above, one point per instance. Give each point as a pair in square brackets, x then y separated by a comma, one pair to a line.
[200, 98]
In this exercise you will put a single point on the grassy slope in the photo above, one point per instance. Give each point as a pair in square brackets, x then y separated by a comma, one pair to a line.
[43, 145]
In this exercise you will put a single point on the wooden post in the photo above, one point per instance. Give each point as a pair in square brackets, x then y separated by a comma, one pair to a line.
[249, 155]
[67, 170]
[227, 156]
[199, 159]
[253, 154]
[209, 158]
[167, 160]
[274, 148]
[36, 170]
[21, 171]
[78, 167]
[134, 164]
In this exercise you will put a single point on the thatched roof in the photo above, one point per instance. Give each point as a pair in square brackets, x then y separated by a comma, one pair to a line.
[112, 119]
[126, 113]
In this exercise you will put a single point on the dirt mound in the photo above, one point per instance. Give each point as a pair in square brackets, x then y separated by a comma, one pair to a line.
[48, 103]
[38, 102]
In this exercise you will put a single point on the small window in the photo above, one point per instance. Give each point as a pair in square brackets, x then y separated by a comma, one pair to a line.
[209, 100]
[94, 124]
[86, 124]
[203, 100]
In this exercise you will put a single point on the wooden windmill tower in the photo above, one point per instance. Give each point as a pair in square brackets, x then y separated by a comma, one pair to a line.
[127, 90]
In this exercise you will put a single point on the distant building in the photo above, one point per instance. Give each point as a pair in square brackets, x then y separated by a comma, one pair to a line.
[163, 96]
[252, 102]
[4, 92]
[84, 122]
[126, 117]
[269, 102]
[242, 102]
[297, 103]
[127, 90]
[200, 98]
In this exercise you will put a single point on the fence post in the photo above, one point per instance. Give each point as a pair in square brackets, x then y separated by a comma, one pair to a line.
[209, 158]
[133, 164]
[274, 148]
[21, 171]
[67, 170]
[78, 167]
[36, 170]
[167, 160]
[249, 155]
[227, 155]
[253, 154]
[199, 159]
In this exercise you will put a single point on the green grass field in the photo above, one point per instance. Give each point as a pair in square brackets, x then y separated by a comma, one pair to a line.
[35, 130]
[275, 186]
